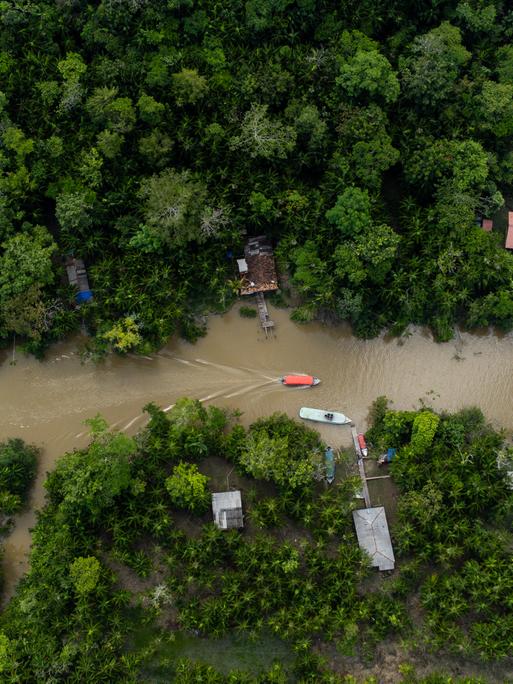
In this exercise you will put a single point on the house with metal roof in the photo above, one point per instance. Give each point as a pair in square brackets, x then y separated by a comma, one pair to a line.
[227, 510]
[77, 276]
[373, 536]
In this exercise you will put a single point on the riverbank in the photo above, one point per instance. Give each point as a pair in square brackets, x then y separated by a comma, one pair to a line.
[234, 365]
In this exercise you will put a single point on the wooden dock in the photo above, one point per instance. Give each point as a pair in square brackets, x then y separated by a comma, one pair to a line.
[265, 320]
[371, 523]
[354, 433]
[365, 488]
[361, 468]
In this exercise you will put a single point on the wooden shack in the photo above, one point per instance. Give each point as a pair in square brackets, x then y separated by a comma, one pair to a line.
[257, 270]
[373, 536]
[509, 234]
[77, 276]
[227, 510]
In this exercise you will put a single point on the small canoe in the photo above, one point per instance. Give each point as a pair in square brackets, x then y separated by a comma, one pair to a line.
[299, 380]
[324, 416]
[329, 460]
[362, 444]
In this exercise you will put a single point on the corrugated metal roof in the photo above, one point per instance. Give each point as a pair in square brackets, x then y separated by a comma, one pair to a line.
[373, 536]
[227, 509]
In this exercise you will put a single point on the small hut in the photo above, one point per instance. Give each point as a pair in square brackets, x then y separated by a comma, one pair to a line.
[227, 510]
[509, 234]
[257, 269]
[77, 276]
[373, 536]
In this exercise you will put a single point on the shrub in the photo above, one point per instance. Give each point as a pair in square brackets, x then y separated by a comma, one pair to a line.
[18, 466]
[187, 488]
[247, 312]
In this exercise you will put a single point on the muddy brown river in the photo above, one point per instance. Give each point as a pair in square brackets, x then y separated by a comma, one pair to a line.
[236, 366]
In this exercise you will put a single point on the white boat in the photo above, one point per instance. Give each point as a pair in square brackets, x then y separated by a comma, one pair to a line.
[324, 416]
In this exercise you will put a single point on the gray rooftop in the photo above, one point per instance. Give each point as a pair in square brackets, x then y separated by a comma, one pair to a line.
[77, 274]
[227, 510]
[374, 537]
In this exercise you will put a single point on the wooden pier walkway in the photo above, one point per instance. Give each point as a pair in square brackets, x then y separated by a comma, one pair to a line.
[265, 320]
[355, 442]
[371, 523]
[361, 468]
[365, 488]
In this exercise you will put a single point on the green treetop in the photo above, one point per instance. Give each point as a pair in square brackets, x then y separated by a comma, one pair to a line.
[188, 488]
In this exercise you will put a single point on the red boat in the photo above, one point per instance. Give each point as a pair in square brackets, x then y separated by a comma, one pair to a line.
[363, 445]
[299, 380]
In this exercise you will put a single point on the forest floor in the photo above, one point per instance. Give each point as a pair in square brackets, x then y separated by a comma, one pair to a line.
[383, 664]
[390, 655]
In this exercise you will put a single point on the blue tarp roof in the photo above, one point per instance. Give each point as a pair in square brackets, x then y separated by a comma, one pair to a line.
[84, 296]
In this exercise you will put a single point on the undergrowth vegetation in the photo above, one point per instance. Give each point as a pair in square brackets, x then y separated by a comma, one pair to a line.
[18, 466]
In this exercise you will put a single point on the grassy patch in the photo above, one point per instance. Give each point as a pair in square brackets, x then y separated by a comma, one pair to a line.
[233, 652]
[247, 312]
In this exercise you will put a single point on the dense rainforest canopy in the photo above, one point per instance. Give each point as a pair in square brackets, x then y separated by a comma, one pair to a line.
[150, 137]
[126, 560]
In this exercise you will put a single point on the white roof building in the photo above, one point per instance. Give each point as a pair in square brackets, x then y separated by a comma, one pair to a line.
[243, 265]
[227, 510]
[373, 536]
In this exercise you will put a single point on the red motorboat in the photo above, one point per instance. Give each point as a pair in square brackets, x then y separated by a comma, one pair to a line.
[299, 380]
[362, 444]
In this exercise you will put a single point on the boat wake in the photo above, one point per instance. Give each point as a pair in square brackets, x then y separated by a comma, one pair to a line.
[244, 390]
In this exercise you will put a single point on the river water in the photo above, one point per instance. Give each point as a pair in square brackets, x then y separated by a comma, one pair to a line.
[236, 366]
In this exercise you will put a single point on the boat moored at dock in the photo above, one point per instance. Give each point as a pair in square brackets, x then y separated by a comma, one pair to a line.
[322, 416]
[363, 445]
